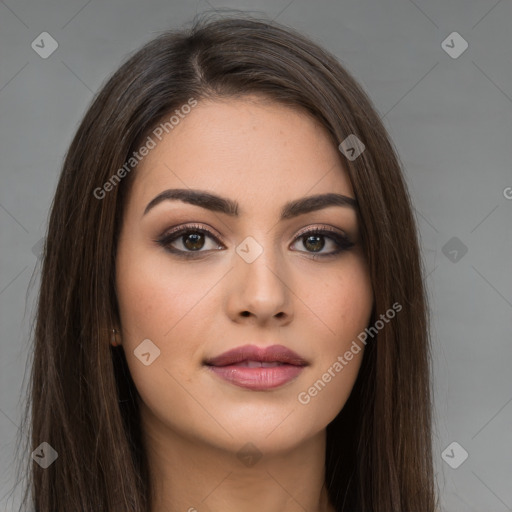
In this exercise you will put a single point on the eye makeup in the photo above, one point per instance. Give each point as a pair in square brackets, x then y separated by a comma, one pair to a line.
[192, 239]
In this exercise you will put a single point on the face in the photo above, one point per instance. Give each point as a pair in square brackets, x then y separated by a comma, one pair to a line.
[196, 281]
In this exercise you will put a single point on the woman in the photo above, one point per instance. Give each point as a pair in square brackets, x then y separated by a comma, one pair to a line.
[286, 367]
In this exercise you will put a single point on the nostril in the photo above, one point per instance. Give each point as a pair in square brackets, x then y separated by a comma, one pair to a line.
[245, 313]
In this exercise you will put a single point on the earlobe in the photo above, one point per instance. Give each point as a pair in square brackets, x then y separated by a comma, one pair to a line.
[115, 337]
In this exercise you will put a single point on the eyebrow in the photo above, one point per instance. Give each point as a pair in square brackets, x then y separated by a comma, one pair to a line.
[216, 203]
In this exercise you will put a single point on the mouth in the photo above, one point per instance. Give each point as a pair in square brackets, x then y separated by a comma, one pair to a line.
[256, 368]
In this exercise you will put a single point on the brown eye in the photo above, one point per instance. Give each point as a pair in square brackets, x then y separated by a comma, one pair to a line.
[193, 241]
[314, 243]
[187, 240]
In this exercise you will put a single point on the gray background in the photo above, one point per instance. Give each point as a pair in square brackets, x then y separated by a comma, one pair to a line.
[450, 119]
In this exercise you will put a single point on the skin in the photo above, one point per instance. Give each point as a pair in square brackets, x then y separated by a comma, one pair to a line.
[194, 423]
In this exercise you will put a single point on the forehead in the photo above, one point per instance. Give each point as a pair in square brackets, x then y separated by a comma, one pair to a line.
[247, 148]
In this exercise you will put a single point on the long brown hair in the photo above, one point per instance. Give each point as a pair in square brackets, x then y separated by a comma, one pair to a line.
[83, 400]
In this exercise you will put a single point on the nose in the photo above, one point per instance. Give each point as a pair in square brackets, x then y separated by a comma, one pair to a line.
[260, 291]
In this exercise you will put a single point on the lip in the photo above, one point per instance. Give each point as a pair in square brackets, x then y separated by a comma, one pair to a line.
[239, 366]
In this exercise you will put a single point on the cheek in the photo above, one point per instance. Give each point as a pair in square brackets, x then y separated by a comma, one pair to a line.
[155, 301]
[343, 302]
[323, 397]
[154, 296]
[160, 301]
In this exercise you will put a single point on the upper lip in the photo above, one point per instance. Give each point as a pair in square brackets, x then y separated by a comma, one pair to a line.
[274, 353]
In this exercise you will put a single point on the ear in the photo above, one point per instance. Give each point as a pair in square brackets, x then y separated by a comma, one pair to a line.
[115, 337]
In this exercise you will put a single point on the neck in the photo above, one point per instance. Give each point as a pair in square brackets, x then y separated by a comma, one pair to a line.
[189, 475]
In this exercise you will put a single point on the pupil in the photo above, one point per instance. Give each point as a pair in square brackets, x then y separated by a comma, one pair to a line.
[317, 244]
[197, 241]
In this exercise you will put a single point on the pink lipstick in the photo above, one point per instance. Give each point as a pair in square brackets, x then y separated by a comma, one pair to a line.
[258, 368]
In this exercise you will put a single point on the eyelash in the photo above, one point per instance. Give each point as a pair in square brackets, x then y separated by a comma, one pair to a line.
[342, 242]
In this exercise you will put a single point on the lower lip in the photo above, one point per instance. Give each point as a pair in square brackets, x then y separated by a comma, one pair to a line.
[258, 379]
